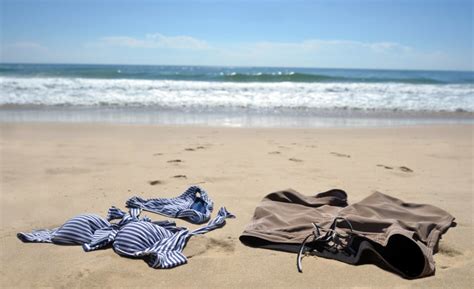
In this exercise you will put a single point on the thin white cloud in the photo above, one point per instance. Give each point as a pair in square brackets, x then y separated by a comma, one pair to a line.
[155, 40]
[122, 41]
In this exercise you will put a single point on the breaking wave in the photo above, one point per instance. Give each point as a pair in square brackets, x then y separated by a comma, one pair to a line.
[240, 92]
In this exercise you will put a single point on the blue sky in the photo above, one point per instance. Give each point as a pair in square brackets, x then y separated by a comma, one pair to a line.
[411, 34]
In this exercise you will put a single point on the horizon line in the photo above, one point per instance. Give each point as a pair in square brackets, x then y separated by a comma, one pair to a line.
[238, 66]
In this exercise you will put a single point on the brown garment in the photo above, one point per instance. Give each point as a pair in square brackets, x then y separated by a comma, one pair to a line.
[386, 231]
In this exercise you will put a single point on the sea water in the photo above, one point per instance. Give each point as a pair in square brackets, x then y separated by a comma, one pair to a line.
[240, 96]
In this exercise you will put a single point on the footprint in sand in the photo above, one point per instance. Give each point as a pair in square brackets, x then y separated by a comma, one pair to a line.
[385, 167]
[274, 153]
[175, 161]
[195, 149]
[402, 168]
[295, 160]
[340, 155]
[155, 182]
[180, 177]
[157, 154]
[406, 169]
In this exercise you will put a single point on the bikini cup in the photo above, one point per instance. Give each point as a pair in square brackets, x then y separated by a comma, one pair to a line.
[158, 246]
[141, 236]
[79, 230]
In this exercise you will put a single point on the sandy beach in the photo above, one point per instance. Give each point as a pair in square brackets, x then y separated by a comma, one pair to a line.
[52, 172]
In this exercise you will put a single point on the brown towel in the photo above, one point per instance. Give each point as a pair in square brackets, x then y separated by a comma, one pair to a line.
[398, 236]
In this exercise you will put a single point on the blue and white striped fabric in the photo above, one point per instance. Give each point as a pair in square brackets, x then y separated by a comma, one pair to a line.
[89, 230]
[160, 247]
[159, 243]
[76, 231]
[193, 205]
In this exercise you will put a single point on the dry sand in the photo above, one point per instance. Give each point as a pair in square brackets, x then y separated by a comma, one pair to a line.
[51, 172]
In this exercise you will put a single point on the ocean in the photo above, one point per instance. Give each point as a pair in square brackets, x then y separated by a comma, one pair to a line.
[235, 96]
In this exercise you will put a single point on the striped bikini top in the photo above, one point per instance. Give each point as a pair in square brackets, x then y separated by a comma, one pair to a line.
[160, 243]
[194, 205]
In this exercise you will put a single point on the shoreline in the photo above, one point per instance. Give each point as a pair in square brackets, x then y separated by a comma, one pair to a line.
[125, 125]
[229, 117]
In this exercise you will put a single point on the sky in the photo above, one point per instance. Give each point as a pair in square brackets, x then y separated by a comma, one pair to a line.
[413, 34]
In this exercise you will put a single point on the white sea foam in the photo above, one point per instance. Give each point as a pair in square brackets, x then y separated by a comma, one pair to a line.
[168, 93]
